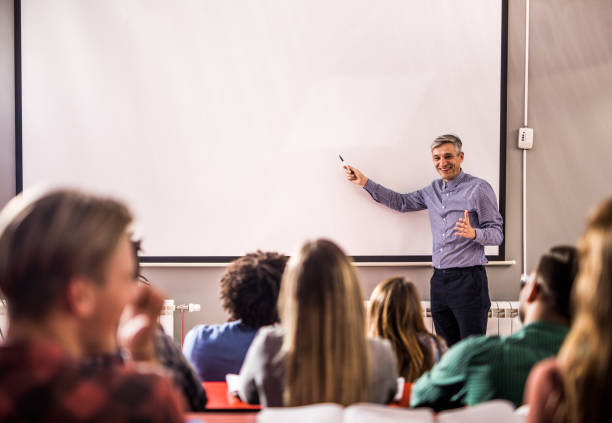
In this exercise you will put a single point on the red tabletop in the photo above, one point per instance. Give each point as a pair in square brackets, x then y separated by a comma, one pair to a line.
[405, 400]
[220, 399]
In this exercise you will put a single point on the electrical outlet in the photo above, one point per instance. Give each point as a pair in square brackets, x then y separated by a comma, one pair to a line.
[525, 138]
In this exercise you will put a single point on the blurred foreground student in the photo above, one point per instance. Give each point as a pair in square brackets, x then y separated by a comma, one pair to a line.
[576, 387]
[68, 269]
[482, 368]
[321, 352]
[395, 314]
[249, 292]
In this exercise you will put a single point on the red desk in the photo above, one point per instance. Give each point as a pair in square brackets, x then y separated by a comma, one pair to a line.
[405, 400]
[219, 399]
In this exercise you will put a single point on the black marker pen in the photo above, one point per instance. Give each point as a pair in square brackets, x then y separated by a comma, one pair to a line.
[342, 160]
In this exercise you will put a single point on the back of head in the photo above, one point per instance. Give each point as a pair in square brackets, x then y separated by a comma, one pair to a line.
[250, 287]
[395, 313]
[46, 241]
[586, 355]
[322, 312]
[556, 272]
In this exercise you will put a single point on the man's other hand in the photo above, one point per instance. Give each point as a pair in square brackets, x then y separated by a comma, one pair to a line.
[463, 227]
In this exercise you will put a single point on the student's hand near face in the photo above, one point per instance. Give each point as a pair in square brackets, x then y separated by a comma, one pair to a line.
[355, 176]
[139, 322]
[464, 228]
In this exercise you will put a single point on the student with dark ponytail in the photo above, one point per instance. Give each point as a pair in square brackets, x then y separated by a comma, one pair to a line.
[576, 387]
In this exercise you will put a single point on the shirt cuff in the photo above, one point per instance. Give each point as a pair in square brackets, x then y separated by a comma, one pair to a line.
[370, 186]
[479, 236]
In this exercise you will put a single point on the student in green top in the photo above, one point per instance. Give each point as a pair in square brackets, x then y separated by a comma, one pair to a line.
[482, 368]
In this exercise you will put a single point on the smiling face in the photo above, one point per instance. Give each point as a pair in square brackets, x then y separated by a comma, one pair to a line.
[446, 161]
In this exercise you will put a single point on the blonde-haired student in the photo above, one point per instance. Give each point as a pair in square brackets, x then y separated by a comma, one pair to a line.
[395, 314]
[320, 352]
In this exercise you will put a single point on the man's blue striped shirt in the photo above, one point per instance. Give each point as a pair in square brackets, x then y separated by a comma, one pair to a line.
[446, 203]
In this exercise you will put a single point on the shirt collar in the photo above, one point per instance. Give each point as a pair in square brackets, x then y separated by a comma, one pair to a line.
[455, 181]
[539, 325]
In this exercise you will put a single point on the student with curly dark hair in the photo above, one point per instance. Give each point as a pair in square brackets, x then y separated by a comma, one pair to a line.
[249, 291]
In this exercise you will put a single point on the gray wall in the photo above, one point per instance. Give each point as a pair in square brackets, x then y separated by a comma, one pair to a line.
[7, 103]
[570, 109]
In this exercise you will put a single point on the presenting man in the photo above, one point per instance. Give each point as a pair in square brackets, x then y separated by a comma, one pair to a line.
[464, 218]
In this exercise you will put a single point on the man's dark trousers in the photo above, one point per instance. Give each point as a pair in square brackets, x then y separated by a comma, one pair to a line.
[460, 302]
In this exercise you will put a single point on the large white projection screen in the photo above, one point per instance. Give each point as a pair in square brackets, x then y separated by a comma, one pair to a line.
[220, 121]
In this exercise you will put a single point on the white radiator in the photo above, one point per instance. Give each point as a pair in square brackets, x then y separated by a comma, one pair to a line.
[166, 318]
[503, 317]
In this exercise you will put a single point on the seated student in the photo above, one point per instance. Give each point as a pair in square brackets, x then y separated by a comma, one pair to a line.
[483, 368]
[169, 355]
[68, 269]
[321, 352]
[576, 387]
[394, 313]
[249, 291]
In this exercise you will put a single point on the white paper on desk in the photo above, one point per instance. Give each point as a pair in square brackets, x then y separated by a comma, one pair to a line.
[499, 411]
[378, 413]
[320, 413]
[233, 383]
[401, 383]
[334, 413]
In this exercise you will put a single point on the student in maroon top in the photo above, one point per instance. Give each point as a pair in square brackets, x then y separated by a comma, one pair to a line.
[68, 271]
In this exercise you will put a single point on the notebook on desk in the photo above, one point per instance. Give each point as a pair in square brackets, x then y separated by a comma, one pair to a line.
[498, 411]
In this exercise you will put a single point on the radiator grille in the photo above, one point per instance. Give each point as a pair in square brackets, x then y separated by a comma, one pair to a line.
[503, 317]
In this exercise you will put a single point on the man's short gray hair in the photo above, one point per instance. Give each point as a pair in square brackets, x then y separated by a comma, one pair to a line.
[447, 139]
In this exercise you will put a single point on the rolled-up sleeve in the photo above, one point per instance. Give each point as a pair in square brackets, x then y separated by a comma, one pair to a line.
[401, 202]
[490, 222]
[445, 385]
